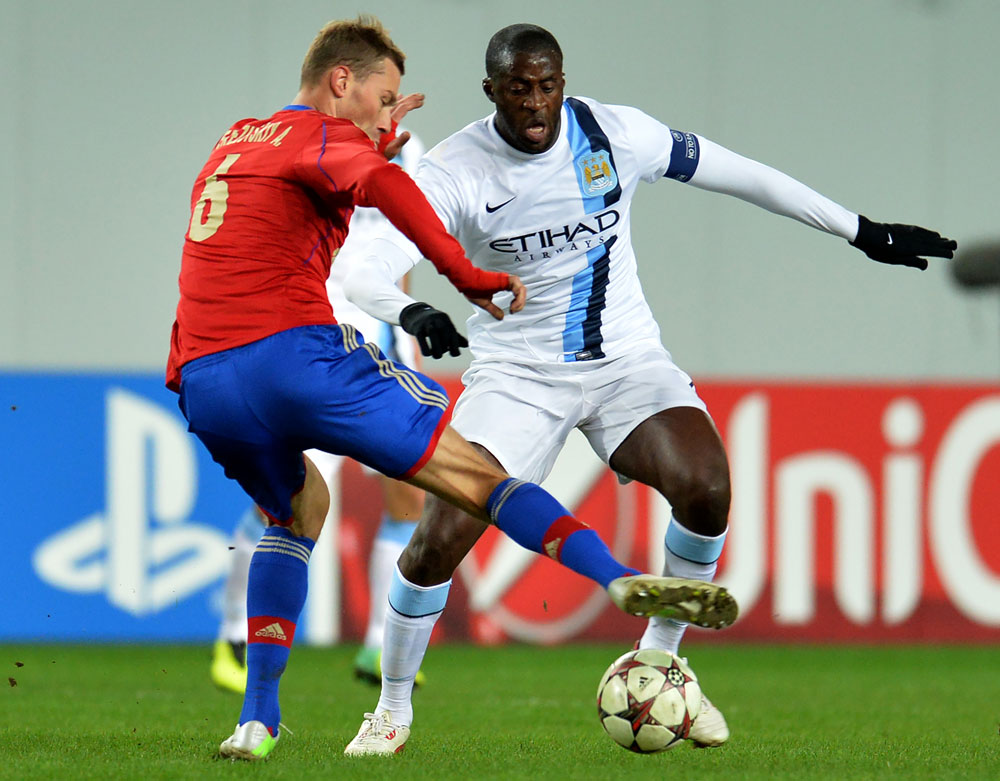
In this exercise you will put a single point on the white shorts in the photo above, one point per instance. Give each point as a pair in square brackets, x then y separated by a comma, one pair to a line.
[523, 413]
[395, 343]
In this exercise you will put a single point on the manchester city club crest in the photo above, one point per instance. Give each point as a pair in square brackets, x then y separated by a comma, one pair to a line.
[598, 175]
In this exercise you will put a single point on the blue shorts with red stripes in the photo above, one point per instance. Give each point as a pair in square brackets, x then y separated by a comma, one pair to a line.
[259, 406]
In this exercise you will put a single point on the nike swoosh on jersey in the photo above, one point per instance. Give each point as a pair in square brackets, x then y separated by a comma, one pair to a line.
[491, 209]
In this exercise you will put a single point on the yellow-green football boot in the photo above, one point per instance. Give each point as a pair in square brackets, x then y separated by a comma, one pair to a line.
[229, 666]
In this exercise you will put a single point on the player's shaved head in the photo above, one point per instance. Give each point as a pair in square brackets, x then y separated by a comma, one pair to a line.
[515, 39]
[361, 44]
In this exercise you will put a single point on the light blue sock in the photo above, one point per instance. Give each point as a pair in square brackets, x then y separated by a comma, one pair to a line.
[413, 611]
[687, 554]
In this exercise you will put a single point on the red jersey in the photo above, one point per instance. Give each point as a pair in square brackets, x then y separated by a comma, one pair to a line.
[269, 210]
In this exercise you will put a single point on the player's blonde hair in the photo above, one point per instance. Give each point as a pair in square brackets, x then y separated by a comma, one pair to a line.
[361, 44]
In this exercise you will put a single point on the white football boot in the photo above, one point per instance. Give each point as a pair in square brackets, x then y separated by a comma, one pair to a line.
[694, 601]
[709, 728]
[251, 741]
[378, 736]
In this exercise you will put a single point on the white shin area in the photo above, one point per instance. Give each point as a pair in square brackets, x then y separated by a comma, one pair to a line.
[667, 633]
[404, 645]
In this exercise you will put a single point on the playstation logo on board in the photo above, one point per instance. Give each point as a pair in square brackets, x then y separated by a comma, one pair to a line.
[142, 551]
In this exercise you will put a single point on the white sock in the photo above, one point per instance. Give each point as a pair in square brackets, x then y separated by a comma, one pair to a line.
[389, 543]
[409, 620]
[687, 555]
[406, 640]
[233, 627]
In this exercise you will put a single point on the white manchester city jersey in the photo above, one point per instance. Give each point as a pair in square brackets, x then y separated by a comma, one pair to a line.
[560, 221]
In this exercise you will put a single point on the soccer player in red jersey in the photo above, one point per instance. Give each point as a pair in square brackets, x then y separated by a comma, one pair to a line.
[265, 372]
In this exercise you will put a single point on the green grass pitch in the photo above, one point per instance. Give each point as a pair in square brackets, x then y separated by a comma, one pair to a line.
[149, 712]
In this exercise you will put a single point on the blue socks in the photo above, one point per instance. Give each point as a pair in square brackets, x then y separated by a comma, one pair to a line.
[275, 596]
[532, 517]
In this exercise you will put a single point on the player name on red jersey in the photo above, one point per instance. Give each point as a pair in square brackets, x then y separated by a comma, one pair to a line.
[254, 133]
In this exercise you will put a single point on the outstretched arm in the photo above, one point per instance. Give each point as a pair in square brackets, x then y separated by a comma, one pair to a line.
[721, 170]
[372, 287]
[394, 193]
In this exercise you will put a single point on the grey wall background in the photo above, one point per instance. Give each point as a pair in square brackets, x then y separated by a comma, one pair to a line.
[887, 106]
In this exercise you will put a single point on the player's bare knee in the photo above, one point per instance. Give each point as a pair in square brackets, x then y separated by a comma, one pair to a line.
[439, 544]
[701, 500]
[425, 562]
[708, 511]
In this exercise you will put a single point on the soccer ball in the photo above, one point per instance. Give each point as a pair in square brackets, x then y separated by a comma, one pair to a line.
[647, 700]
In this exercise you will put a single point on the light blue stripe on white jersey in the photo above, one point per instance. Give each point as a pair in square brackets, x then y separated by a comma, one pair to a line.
[580, 145]
[579, 303]
[582, 334]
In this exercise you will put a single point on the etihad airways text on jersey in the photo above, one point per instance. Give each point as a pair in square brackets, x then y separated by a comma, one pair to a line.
[547, 237]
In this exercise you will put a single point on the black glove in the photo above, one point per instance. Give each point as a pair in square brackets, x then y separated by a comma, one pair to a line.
[901, 245]
[433, 328]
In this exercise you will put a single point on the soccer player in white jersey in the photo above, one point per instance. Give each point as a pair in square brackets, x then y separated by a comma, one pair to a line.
[402, 502]
[543, 188]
